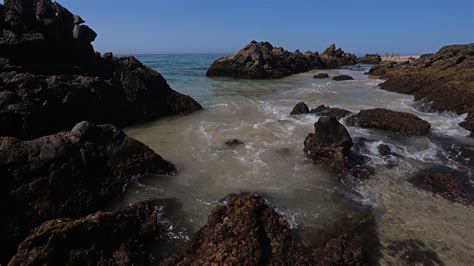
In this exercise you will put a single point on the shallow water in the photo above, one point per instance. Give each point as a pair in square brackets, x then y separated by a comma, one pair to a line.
[272, 163]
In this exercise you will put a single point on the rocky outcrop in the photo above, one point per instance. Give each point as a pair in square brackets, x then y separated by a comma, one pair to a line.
[120, 237]
[342, 78]
[381, 68]
[69, 174]
[260, 60]
[247, 231]
[51, 78]
[444, 79]
[321, 76]
[322, 110]
[400, 122]
[372, 59]
[335, 57]
[300, 108]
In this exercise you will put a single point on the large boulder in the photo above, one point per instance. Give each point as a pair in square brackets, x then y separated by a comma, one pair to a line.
[400, 122]
[335, 57]
[372, 59]
[247, 231]
[51, 78]
[120, 237]
[300, 108]
[69, 174]
[260, 60]
[444, 79]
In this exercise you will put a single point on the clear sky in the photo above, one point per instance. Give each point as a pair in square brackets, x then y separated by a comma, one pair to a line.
[223, 26]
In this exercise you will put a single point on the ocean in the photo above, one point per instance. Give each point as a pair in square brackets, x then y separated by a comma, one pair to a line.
[271, 161]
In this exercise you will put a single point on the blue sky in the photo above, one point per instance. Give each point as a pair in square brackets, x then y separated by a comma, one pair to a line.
[223, 26]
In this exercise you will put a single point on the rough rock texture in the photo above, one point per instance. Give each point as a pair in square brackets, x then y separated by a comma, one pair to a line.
[447, 183]
[51, 78]
[300, 108]
[381, 68]
[69, 174]
[330, 144]
[321, 76]
[384, 149]
[404, 123]
[246, 231]
[120, 237]
[335, 57]
[370, 59]
[260, 60]
[342, 78]
[324, 110]
[445, 79]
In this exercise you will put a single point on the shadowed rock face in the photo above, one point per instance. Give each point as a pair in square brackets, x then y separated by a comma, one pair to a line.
[121, 237]
[260, 60]
[300, 108]
[444, 78]
[400, 122]
[51, 78]
[247, 231]
[381, 68]
[69, 174]
[370, 59]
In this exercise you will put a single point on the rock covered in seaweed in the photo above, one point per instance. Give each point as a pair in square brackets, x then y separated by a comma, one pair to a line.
[51, 78]
[400, 122]
[68, 174]
[119, 237]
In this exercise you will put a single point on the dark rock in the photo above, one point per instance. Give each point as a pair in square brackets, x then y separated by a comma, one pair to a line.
[324, 110]
[260, 60]
[300, 108]
[370, 59]
[342, 78]
[233, 142]
[335, 58]
[120, 237]
[448, 183]
[384, 149]
[404, 123]
[444, 78]
[56, 79]
[381, 68]
[329, 144]
[246, 231]
[413, 252]
[321, 76]
[69, 174]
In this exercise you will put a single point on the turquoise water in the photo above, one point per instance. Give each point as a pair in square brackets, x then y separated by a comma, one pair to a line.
[272, 163]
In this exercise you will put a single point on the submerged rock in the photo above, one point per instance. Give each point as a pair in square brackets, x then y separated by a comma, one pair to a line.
[120, 237]
[447, 183]
[370, 59]
[300, 108]
[324, 110]
[233, 142]
[413, 252]
[249, 232]
[400, 122]
[444, 78]
[342, 78]
[53, 79]
[69, 174]
[260, 60]
[384, 149]
[321, 76]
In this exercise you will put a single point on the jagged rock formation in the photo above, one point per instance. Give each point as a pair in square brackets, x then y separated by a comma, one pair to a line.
[260, 60]
[51, 78]
[120, 237]
[400, 122]
[322, 110]
[444, 79]
[247, 231]
[69, 174]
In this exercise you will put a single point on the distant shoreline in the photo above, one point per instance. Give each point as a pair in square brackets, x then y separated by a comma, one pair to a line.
[401, 58]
